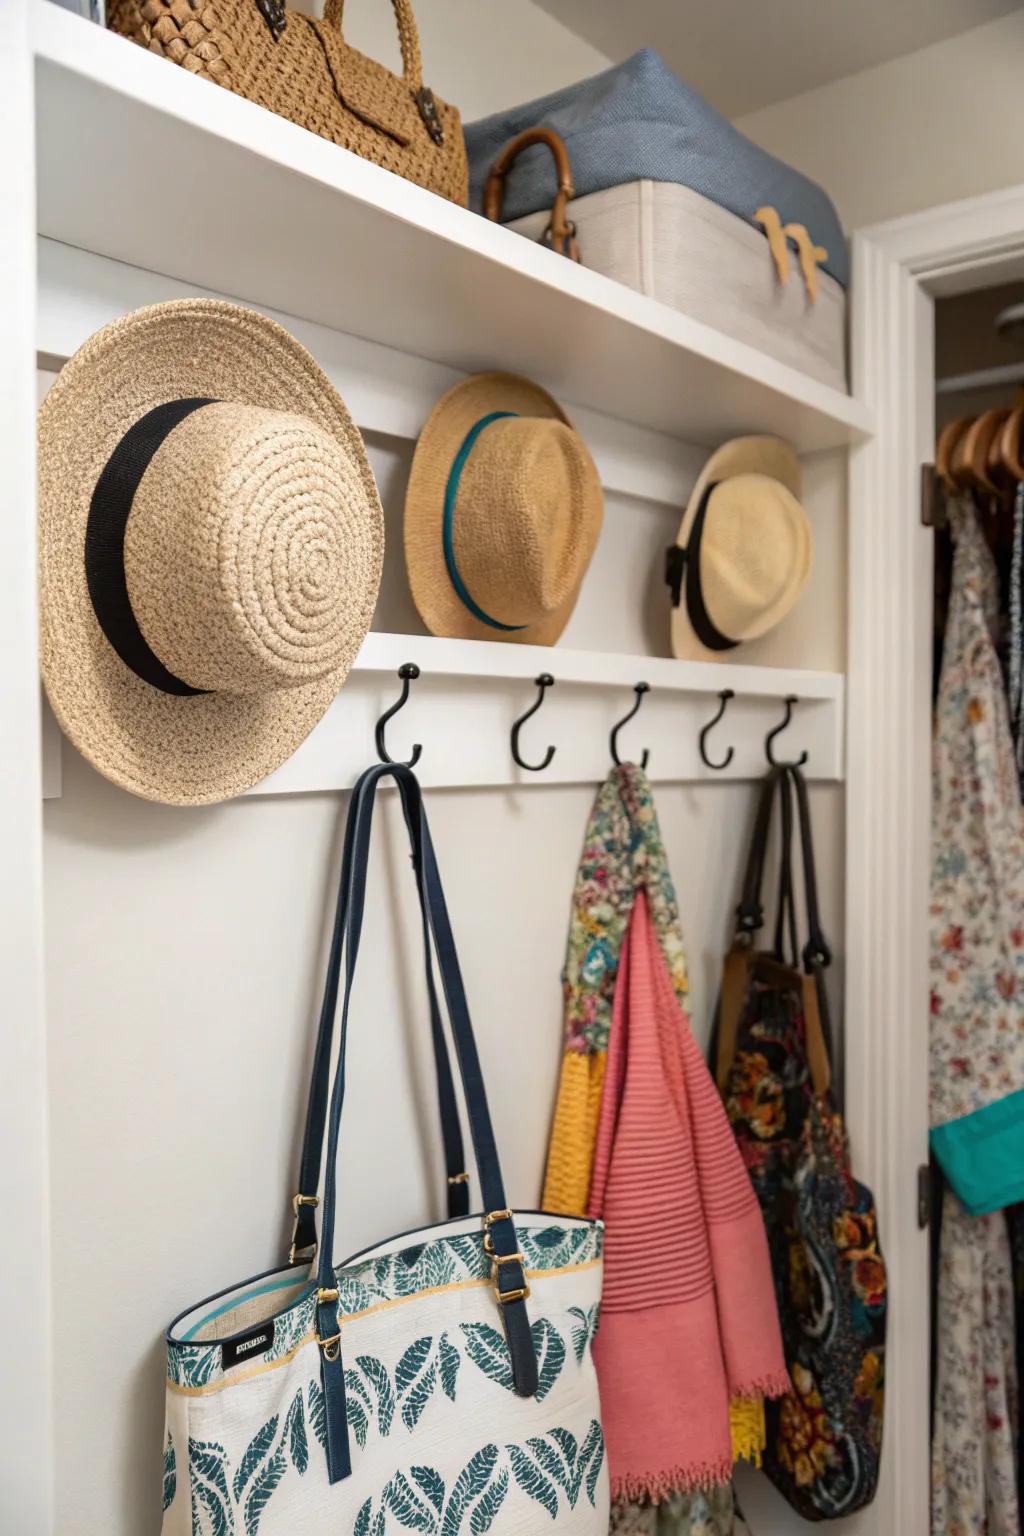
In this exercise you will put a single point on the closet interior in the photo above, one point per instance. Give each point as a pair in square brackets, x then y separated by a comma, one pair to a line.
[603, 469]
[977, 513]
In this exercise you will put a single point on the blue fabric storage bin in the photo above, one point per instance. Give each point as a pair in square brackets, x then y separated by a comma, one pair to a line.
[639, 122]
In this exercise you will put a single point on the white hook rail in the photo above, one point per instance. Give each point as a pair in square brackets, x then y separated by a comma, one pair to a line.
[469, 693]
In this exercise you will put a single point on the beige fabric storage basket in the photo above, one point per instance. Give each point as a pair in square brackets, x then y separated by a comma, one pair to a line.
[671, 243]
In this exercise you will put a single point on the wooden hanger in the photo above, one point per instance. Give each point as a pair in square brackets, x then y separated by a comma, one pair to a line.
[983, 471]
[949, 438]
[1010, 444]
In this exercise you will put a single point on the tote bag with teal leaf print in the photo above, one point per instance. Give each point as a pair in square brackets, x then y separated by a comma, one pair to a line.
[440, 1382]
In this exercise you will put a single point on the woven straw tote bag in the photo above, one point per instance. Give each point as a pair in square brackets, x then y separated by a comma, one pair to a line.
[441, 1381]
[301, 68]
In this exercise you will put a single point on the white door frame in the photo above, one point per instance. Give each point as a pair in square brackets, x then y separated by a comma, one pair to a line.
[26, 1437]
[899, 269]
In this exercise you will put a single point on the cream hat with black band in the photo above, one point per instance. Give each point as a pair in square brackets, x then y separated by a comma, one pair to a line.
[743, 554]
[210, 548]
[502, 513]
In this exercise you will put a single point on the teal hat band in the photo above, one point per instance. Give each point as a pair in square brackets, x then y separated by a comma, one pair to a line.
[451, 492]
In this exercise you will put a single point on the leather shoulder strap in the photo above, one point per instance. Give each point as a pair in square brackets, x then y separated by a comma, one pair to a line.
[304, 1234]
[735, 980]
[508, 1272]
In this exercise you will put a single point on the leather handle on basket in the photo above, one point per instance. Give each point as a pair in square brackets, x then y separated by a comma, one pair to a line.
[561, 232]
[408, 37]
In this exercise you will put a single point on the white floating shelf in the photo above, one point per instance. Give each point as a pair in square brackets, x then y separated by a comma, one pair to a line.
[142, 162]
[462, 707]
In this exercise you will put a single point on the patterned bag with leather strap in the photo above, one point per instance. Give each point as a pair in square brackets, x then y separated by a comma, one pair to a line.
[439, 1381]
[772, 1058]
[302, 68]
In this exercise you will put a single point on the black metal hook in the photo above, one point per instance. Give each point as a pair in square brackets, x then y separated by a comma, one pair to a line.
[791, 699]
[543, 682]
[639, 690]
[408, 672]
[724, 697]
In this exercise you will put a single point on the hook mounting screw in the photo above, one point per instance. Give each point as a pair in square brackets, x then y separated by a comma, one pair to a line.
[543, 683]
[790, 700]
[724, 696]
[408, 672]
[640, 689]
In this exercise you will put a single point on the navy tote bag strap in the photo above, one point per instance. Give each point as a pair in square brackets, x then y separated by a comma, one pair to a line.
[508, 1267]
[304, 1239]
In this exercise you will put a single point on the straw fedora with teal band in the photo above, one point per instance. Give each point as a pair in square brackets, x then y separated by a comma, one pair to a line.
[502, 513]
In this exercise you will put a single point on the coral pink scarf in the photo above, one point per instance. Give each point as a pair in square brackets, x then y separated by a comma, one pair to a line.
[688, 1316]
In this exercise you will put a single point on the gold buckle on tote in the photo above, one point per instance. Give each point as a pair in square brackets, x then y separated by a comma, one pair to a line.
[497, 1260]
[489, 1220]
[332, 1346]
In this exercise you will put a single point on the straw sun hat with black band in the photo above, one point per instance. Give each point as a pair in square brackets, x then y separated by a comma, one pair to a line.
[502, 513]
[743, 553]
[210, 548]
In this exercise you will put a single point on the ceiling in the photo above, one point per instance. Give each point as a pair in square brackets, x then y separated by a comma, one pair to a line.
[745, 54]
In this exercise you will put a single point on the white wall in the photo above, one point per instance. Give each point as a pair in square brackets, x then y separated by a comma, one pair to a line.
[183, 953]
[480, 55]
[940, 124]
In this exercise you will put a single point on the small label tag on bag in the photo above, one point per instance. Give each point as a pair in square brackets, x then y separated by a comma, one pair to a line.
[256, 1342]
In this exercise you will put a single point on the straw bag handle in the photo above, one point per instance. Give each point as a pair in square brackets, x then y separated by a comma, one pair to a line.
[508, 1273]
[408, 37]
[560, 233]
[305, 1202]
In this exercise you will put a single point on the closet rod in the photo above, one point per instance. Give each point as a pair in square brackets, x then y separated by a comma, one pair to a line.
[982, 378]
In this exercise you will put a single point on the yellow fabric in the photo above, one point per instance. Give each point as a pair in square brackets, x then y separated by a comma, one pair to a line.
[746, 1425]
[574, 1133]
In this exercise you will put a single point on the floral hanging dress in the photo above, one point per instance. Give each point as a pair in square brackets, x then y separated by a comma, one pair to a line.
[977, 1053]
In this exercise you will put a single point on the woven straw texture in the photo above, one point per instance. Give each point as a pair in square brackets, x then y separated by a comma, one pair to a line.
[311, 76]
[253, 550]
[528, 513]
[755, 555]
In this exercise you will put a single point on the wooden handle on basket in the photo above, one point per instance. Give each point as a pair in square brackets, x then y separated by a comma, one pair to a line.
[561, 232]
[408, 37]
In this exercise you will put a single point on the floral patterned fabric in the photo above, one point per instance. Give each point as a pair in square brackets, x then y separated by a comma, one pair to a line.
[622, 853]
[977, 900]
[684, 1514]
[974, 1472]
[824, 1437]
[977, 1057]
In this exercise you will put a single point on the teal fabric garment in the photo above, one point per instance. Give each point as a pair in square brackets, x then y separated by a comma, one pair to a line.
[976, 1055]
[982, 1155]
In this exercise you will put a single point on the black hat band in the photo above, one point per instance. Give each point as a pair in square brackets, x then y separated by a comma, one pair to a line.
[683, 563]
[105, 530]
